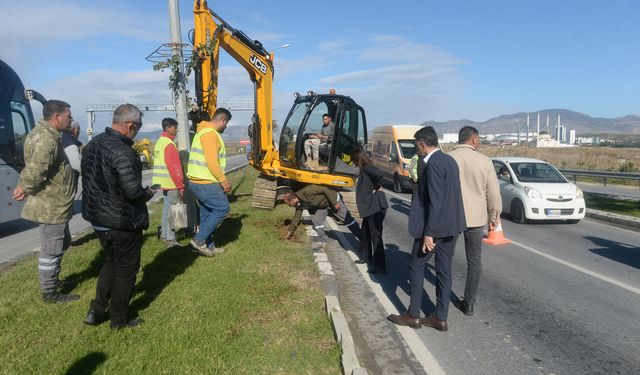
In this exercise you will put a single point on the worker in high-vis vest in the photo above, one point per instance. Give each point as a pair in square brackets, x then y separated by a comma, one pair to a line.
[207, 161]
[413, 168]
[167, 172]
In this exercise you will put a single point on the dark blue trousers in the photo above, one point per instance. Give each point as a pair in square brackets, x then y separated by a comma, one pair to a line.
[444, 256]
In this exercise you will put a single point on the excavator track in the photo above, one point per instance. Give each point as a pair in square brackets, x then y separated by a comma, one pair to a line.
[264, 193]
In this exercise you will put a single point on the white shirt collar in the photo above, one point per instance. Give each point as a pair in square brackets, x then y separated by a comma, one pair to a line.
[426, 158]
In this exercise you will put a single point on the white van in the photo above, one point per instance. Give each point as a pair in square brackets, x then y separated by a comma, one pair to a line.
[392, 148]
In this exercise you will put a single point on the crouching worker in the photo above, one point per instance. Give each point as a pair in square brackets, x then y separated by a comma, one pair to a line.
[318, 200]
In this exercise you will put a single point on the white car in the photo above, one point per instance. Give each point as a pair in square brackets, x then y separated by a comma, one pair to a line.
[533, 189]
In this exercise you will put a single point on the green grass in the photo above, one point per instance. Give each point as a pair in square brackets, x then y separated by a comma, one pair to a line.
[256, 309]
[618, 206]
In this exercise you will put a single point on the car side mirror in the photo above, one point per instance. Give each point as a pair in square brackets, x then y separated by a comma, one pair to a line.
[393, 158]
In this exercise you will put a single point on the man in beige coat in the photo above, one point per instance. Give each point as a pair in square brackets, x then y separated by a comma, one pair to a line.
[482, 206]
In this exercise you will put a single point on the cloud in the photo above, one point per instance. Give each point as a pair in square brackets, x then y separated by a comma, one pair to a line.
[64, 20]
[398, 80]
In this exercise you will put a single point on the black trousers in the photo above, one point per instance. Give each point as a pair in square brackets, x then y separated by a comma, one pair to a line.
[444, 279]
[373, 245]
[118, 274]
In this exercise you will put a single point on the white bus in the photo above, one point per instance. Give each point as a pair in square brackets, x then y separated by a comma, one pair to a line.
[16, 120]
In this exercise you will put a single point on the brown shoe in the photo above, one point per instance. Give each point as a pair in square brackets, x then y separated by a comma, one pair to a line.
[405, 320]
[433, 322]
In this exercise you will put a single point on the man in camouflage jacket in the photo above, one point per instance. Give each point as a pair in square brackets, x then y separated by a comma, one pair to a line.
[49, 185]
[318, 199]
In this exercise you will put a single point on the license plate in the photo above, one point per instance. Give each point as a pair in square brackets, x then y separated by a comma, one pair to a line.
[551, 212]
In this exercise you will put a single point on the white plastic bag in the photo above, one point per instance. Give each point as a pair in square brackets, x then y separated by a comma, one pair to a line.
[178, 216]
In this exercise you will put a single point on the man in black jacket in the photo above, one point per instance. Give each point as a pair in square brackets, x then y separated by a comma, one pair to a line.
[115, 203]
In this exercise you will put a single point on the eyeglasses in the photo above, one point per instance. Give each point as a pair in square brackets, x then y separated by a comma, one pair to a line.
[137, 124]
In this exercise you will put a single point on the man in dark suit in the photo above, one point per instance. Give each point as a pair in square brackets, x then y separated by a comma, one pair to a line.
[435, 221]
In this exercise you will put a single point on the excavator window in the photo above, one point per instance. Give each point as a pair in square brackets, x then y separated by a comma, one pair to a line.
[352, 135]
[290, 130]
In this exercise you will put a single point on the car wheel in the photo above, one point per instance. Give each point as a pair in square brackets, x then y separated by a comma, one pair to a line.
[517, 212]
[397, 186]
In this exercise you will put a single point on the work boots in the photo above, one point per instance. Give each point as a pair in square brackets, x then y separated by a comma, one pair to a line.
[56, 297]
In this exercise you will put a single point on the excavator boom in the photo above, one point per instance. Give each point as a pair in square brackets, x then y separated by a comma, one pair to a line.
[212, 33]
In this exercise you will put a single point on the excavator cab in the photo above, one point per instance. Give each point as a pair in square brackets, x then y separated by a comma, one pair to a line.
[306, 118]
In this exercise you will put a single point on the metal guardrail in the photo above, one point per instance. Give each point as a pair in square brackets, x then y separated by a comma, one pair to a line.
[600, 174]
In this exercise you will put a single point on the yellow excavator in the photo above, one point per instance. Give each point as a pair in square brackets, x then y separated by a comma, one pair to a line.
[283, 163]
[143, 148]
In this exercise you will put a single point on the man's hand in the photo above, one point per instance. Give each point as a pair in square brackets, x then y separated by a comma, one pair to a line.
[337, 207]
[494, 223]
[289, 235]
[181, 193]
[428, 244]
[226, 186]
[19, 194]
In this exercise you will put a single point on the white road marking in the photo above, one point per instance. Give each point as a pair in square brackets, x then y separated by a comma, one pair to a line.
[415, 343]
[564, 262]
[579, 268]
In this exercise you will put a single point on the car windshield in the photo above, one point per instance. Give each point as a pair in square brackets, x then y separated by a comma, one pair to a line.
[537, 172]
[407, 147]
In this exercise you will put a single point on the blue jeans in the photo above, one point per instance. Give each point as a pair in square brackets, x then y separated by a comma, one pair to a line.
[214, 207]
[169, 198]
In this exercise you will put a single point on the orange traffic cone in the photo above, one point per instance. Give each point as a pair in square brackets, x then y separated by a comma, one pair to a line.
[496, 237]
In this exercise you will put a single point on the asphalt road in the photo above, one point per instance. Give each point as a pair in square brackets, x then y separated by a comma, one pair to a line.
[19, 238]
[560, 299]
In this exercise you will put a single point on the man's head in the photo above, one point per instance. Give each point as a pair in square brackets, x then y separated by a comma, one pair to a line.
[220, 119]
[326, 119]
[469, 135]
[74, 129]
[426, 140]
[290, 199]
[170, 126]
[127, 120]
[57, 113]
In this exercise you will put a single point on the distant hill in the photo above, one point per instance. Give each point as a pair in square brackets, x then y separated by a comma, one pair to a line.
[581, 123]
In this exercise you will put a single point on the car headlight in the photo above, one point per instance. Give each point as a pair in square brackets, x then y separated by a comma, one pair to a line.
[532, 193]
[579, 193]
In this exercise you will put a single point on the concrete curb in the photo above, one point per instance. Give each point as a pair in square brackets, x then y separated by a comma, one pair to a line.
[628, 221]
[342, 334]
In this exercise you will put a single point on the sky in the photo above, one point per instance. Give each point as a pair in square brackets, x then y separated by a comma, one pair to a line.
[405, 62]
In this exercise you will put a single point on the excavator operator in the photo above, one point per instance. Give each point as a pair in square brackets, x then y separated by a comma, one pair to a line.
[318, 143]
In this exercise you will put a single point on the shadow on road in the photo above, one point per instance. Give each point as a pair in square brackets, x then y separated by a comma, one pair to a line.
[617, 251]
[400, 205]
[16, 226]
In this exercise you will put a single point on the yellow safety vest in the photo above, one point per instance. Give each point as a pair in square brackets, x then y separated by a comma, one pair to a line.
[197, 163]
[160, 171]
[413, 168]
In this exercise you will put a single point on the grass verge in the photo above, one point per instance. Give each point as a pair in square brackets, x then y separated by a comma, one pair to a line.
[256, 309]
[618, 206]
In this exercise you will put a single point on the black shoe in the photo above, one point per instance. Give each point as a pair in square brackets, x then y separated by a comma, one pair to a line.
[56, 297]
[130, 324]
[361, 261]
[65, 285]
[93, 318]
[378, 270]
[466, 308]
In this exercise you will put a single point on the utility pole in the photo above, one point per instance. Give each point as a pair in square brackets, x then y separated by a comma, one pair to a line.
[182, 137]
[527, 136]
